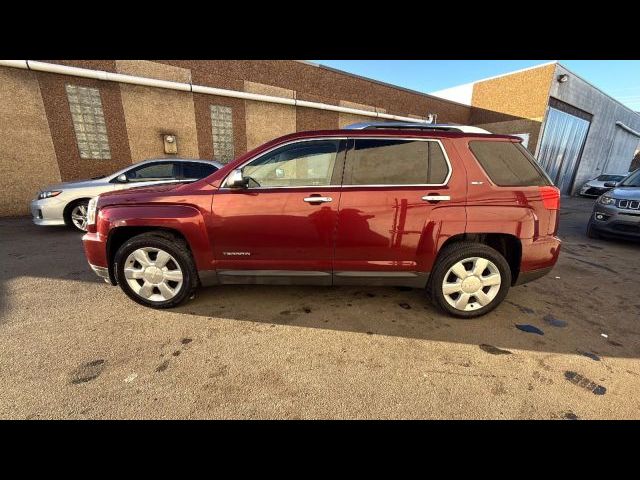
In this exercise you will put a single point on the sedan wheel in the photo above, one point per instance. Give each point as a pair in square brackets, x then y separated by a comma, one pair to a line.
[153, 274]
[79, 216]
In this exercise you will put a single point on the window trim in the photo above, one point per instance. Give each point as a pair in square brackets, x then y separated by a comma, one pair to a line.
[298, 140]
[223, 186]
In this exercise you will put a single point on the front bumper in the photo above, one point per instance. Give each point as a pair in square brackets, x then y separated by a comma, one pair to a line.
[613, 220]
[95, 249]
[48, 211]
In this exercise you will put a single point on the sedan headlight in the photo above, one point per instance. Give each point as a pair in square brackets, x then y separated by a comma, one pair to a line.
[91, 211]
[606, 200]
[49, 194]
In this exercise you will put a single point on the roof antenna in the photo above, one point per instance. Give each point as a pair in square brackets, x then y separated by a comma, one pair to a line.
[432, 118]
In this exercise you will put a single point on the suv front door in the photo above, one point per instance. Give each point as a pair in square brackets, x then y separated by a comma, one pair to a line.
[391, 187]
[280, 228]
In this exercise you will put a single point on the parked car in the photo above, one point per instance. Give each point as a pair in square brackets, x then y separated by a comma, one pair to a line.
[617, 212]
[598, 185]
[466, 214]
[66, 203]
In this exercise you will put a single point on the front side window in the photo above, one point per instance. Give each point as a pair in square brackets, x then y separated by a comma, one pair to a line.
[154, 171]
[632, 180]
[395, 162]
[302, 164]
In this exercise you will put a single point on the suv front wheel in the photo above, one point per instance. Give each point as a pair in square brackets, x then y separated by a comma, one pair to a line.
[156, 270]
[469, 279]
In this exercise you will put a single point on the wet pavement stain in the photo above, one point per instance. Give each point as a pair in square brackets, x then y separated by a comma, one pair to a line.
[163, 366]
[406, 306]
[87, 371]
[494, 350]
[529, 329]
[592, 356]
[584, 382]
[522, 308]
[554, 322]
[186, 341]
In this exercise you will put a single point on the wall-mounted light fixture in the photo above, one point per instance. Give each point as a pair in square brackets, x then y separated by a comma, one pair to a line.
[563, 78]
[170, 144]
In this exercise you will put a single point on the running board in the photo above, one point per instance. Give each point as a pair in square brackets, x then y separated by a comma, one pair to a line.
[305, 277]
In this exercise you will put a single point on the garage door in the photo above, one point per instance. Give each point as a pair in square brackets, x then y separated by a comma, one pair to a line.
[561, 146]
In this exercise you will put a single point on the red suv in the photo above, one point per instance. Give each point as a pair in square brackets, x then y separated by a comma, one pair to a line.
[464, 213]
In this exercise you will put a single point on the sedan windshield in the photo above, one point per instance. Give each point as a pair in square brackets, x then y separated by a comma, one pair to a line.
[632, 180]
[610, 178]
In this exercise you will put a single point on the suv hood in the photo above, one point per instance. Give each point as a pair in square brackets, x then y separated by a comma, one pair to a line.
[139, 194]
[627, 193]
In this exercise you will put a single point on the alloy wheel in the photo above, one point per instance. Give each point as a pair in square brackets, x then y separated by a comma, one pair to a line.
[153, 274]
[79, 216]
[471, 283]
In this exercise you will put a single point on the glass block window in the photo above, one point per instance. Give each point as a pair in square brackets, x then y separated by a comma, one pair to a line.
[88, 121]
[222, 132]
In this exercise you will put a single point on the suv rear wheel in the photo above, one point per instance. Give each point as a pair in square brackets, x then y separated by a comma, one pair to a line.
[156, 270]
[469, 279]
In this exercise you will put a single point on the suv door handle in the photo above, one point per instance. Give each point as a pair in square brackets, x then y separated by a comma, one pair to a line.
[318, 199]
[436, 198]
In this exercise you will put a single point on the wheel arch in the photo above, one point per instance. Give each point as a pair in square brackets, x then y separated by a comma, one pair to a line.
[509, 246]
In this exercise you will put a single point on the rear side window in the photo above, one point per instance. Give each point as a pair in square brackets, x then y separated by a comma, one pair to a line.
[508, 164]
[395, 162]
[197, 170]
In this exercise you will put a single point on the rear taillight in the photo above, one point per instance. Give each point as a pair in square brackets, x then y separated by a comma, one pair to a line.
[550, 197]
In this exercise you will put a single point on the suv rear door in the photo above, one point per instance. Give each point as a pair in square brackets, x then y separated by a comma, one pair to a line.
[391, 188]
[280, 229]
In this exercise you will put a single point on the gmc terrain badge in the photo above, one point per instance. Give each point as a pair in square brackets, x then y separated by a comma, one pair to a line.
[236, 253]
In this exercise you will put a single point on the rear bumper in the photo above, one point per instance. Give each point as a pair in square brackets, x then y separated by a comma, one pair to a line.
[539, 256]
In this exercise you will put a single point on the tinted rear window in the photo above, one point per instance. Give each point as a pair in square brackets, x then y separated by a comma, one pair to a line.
[395, 162]
[197, 170]
[508, 164]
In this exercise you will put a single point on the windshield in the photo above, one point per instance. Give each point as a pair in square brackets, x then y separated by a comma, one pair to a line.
[610, 178]
[632, 180]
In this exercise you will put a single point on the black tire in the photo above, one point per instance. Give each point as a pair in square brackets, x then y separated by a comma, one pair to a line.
[174, 246]
[69, 208]
[456, 252]
[591, 231]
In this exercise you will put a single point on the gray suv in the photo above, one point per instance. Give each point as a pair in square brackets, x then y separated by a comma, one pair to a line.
[617, 212]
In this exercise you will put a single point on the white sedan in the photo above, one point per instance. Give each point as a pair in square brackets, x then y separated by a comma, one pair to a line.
[596, 186]
[66, 203]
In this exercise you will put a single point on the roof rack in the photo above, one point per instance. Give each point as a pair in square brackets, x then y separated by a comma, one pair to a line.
[416, 126]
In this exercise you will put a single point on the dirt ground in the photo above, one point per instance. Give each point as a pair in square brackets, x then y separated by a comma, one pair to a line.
[71, 346]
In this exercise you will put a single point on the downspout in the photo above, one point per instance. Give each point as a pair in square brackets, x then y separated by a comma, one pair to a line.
[190, 87]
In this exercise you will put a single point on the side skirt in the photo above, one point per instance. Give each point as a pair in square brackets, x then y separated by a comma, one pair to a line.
[304, 277]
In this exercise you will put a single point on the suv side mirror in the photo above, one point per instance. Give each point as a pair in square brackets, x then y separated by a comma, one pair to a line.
[122, 178]
[236, 180]
[610, 184]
